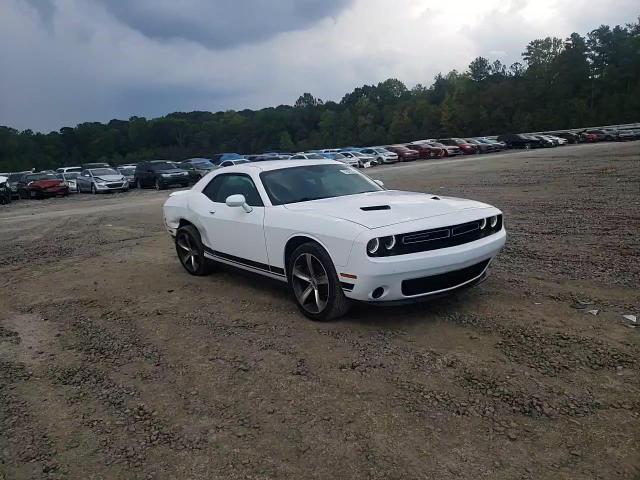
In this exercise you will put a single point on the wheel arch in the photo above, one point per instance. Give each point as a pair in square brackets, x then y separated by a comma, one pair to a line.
[295, 241]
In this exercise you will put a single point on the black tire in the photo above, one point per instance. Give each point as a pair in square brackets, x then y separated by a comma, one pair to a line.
[159, 185]
[190, 251]
[336, 304]
[77, 188]
[93, 189]
[139, 184]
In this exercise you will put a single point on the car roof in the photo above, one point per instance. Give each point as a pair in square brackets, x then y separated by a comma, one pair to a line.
[278, 165]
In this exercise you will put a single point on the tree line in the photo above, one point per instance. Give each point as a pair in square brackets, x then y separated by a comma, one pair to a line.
[578, 81]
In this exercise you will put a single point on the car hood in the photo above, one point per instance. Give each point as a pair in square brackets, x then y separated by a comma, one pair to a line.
[111, 178]
[402, 207]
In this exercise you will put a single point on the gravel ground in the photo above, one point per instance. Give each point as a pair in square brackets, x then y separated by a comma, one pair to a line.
[115, 364]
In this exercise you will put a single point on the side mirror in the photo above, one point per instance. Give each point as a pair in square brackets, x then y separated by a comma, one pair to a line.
[379, 182]
[238, 201]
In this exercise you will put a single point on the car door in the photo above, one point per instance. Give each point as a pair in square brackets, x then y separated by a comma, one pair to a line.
[84, 181]
[232, 233]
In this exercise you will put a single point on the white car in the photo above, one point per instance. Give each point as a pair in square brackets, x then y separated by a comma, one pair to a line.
[308, 156]
[68, 169]
[381, 155]
[333, 234]
[363, 160]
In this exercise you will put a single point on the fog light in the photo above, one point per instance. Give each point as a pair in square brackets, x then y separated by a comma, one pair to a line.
[373, 245]
[377, 293]
[493, 221]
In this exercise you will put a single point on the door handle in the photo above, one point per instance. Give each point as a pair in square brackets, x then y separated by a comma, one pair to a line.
[212, 212]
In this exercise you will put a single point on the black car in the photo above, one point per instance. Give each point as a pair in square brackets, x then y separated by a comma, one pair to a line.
[160, 174]
[5, 191]
[14, 179]
[516, 140]
[197, 167]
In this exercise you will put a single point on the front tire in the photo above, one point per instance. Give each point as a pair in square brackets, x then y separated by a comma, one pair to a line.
[93, 189]
[191, 251]
[314, 283]
[158, 185]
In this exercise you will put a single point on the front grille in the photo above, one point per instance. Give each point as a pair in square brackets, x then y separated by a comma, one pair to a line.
[444, 281]
[443, 237]
[114, 185]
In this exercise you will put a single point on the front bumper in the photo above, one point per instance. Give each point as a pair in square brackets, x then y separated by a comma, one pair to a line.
[47, 192]
[453, 267]
[110, 187]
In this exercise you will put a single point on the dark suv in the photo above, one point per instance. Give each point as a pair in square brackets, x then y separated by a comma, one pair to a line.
[160, 174]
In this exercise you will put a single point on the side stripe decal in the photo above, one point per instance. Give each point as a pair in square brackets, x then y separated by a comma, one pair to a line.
[243, 261]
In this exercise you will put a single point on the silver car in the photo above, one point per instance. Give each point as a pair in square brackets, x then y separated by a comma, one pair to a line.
[69, 178]
[128, 171]
[101, 180]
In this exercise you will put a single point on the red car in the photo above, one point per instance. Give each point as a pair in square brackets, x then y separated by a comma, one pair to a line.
[466, 147]
[404, 154]
[41, 185]
[427, 151]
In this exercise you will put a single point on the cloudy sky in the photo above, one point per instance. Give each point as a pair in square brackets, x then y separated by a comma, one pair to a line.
[67, 61]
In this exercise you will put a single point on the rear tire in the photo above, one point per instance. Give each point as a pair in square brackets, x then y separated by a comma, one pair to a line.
[314, 283]
[190, 251]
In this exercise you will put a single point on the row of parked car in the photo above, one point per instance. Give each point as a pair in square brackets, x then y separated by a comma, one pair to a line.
[160, 174]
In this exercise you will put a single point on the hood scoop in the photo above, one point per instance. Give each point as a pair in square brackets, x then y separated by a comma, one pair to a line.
[375, 207]
[435, 198]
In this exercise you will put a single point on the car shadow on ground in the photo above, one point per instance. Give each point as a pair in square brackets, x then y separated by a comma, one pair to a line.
[370, 315]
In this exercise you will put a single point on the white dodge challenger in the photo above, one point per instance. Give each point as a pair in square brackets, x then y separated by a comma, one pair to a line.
[333, 234]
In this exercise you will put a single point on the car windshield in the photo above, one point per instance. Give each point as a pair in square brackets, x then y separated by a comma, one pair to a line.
[231, 156]
[127, 170]
[313, 182]
[380, 150]
[103, 171]
[70, 175]
[203, 164]
[163, 165]
[15, 176]
[40, 176]
[73, 169]
[315, 156]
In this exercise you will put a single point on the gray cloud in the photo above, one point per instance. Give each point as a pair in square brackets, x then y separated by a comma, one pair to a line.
[70, 61]
[222, 23]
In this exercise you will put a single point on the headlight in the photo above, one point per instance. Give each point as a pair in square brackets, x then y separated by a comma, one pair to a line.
[165, 175]
[373, 245]
[390, 242]
[483, 224]
[493, 221]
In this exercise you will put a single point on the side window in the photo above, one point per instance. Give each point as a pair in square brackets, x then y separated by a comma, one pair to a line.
[85, 173]
[212, 188]
[233, 184]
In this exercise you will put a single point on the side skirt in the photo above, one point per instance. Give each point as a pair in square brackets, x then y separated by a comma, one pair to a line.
[244, 264]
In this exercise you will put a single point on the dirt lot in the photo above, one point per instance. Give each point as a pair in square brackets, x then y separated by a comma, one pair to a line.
[116, 364]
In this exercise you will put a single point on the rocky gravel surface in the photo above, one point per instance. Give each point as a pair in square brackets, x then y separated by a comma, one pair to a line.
[115, 364]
